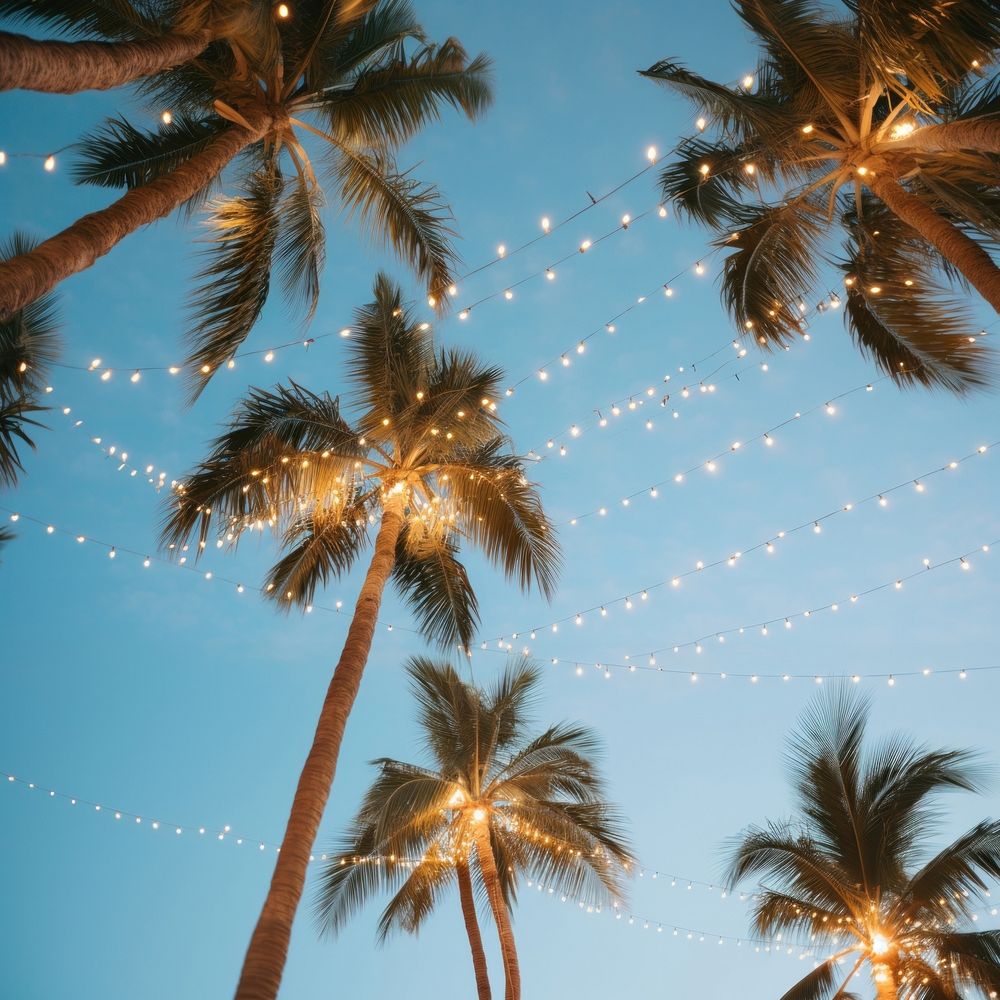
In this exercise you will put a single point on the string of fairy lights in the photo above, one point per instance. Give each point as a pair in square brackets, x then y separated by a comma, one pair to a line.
[647, 661]
[632, 662]
[628, 916]
[814, 525]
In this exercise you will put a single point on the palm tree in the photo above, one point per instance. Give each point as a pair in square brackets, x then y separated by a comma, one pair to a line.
[29, 343]
[427, 461]
[852, 868]
[133, 40]
[346, 83]
[885, 119]
[494, 804]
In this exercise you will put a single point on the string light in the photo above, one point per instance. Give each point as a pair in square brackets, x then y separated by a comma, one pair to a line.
[697, 645]
[710, 463]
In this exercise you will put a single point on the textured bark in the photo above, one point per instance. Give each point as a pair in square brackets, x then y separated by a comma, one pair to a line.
[978, 134]
[501, 915]
[29, 276]
[472, 929]
[69, 67]
[268, 949]
[966, 255]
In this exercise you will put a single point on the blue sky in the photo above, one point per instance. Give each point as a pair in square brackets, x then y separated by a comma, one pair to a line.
[168, 696]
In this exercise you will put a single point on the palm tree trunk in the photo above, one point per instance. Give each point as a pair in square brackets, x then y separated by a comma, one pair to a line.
[472, 929]
[29, 276]
[69, 67]
[980, 135]
[885, 981]
[501, 915]
[957, 248]
[268, 949]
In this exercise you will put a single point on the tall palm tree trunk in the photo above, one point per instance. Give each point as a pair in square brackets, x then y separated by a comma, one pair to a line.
[69, 67]
[957, 248]
[501, 915]
[29, 276]
[885, 981]
[268, 949]
[472, 929]
[981, 135]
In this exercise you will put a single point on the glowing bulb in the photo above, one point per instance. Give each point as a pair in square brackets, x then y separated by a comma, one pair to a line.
[166, 118]
[550, 274]
[700, 124]
[508, 295]
[269, 357]
[501, 251]
[749, 168]
[546, 224]
[479, 814]
[585, 246]
[283, 11]
[651, 154]
[661, 211]
[880, 944]
[704, 170]
[50, 163]
[747, 81]
[699, 268]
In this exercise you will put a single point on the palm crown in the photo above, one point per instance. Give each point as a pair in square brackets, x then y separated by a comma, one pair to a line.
[883, 120]
[427, 444]
[852, 871]
[494, 800]
[29, 342]
[351, 80]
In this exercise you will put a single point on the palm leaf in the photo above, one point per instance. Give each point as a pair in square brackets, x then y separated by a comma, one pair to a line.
[119, 155]
[110, 19]
[300, 249]
[389, 104]
[14, 424]
[436, 587]
[236, 280]
[322, 544]
[501, 513]
[771, 266]
[350, 48]
[400, 211]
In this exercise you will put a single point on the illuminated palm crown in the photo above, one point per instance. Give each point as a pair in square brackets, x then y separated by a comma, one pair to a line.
[851, 870]
[888, 112]
[540, 798]
[351, 79]
[427, 443]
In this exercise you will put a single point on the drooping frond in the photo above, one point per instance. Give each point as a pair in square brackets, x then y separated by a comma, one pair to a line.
[772, 264]
[14, 435]
[436, 587]
[415, 900]
[390, 103]
[114, 20]
[321, 544]
[301, 247]
[402, 213]
[935, 44]
[234, 283]
[368, 41]
[957, 873]
[705, 180]
[501, 513]
[119, 155]
[29, 339]
[819, 984]
[250, 474]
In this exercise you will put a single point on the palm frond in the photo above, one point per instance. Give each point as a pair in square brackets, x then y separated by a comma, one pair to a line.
[301, 245]
[771, 266]
[14, 424]
[936, 44]
[250, 474]
[387, 105]
[406, 215]
[29, 338]
[323, 543]
[713, 197]
[115, 20]
[388, 358]
[415, 900]
[436, 587]
[733, 111]
[119, 155]
[501, 513]
[236, 280]
[353, 47]
[819, 984]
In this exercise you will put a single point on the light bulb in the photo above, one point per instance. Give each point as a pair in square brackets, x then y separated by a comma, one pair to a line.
[651, 154]
[700, 124]
[283, 11]
[50, 163]
[166, 117]
[546, 224]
